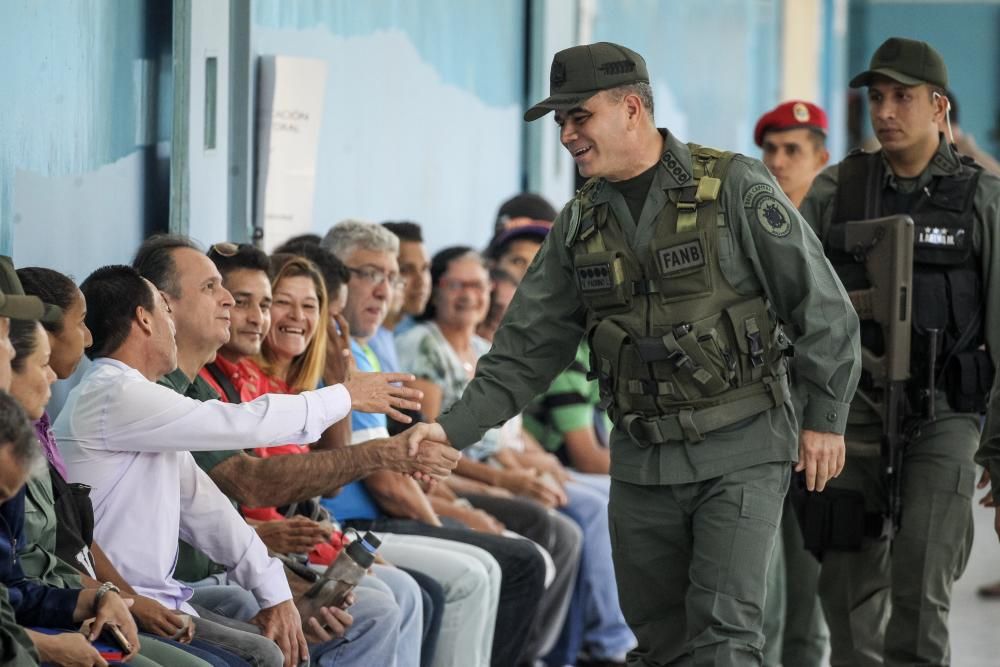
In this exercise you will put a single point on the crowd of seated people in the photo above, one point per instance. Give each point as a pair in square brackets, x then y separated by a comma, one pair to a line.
[243, 418]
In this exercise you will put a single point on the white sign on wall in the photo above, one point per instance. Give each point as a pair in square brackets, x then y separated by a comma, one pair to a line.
[289, 115]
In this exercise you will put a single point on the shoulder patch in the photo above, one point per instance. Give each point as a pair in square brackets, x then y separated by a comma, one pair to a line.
[756, 191]
[772, 216]
[676, 169]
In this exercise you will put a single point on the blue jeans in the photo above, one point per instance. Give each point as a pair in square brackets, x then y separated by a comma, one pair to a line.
[405, 592]
[595, 621]
[371, 640]
[216, 594]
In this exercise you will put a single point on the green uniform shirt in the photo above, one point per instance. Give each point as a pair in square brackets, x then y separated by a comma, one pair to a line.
[546, 319]
[570, 404]
[193, 565]
[39, 560]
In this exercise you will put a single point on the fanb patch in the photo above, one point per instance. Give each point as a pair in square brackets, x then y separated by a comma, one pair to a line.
[595, 277]
[772, 216]
[681, 257]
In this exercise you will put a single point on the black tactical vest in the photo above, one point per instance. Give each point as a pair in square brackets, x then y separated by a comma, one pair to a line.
[948, 291]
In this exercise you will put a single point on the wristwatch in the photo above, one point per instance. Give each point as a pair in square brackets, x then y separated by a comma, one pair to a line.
[106, 587]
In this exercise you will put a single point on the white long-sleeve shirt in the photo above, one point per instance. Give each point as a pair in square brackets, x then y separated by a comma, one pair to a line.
[130, 440]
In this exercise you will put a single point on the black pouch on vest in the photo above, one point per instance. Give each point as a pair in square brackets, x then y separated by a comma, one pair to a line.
[74, 517]
[967, 379]
[834, 520]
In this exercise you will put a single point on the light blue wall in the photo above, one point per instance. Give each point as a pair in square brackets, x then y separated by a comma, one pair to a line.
[71, 169]
[422, 112]
[714, 65]
[967, 34]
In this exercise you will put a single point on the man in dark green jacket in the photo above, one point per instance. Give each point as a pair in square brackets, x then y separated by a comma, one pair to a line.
[676, 262]
[890, 606]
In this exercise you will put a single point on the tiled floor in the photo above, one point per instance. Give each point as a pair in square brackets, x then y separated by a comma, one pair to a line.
[975, 623]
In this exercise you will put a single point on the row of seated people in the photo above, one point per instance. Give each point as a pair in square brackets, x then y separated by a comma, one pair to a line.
[483, 570]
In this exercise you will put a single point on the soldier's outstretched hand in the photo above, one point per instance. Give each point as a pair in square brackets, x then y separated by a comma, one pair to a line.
[376, 392]
[421, 432]
[821, 455]
[428, 461]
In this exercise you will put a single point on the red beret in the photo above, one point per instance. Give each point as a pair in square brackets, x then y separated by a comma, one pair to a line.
[788, 116]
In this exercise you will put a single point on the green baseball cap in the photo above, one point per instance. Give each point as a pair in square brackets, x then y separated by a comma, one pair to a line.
[15, 304]
[580, 72]
[907, 61]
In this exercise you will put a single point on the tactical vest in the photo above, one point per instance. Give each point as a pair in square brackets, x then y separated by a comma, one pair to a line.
[677, 352]
[948, 291]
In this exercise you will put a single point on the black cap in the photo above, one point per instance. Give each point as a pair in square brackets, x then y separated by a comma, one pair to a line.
[908, 61]
[580, 72]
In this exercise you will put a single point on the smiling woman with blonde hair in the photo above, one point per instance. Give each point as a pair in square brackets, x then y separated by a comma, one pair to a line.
[294, 350]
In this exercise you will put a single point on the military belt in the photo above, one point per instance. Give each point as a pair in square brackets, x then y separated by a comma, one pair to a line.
[691, 425]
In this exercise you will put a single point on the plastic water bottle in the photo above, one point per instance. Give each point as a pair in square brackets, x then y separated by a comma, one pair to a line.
[344, 573]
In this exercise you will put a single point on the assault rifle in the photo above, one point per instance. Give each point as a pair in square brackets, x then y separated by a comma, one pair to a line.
[885, 247]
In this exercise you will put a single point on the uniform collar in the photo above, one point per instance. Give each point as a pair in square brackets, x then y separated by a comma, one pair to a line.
[675, 169]
[944, 162]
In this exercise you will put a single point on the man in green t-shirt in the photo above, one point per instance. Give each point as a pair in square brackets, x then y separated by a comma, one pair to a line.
[567, 419]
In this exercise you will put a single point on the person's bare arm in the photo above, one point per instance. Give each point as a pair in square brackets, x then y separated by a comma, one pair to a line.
[150, 615]
[337, 436]
[281, 480]
[105, 571]
[430, 404]
[401, 497]
[586, 453]
[519, 481]
[473, 518]
[463, 486]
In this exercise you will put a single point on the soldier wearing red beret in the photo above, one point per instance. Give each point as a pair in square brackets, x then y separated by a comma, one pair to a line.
[793, 136]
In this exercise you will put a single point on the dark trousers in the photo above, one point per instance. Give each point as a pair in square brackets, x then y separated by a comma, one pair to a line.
[522, 568]
[563, 540]
[433, 596]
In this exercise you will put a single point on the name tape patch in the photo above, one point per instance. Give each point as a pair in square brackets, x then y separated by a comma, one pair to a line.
[595, 277]
[941, 237]
[681, 257]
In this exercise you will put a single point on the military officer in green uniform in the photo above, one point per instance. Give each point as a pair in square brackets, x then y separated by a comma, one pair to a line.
[676, 262]
[890, 606]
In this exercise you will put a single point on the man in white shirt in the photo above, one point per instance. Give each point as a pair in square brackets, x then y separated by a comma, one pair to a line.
[128, 438]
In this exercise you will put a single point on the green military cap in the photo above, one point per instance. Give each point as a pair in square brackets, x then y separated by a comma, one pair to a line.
[580, 72]
[907, 61]
[14, 303]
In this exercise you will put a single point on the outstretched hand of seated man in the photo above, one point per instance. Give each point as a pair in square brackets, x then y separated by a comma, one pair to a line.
[822, 457]
[426, 461]
[283, 625]
[380, 392]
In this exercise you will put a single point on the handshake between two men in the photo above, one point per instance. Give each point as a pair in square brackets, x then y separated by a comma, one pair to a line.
[421, 452]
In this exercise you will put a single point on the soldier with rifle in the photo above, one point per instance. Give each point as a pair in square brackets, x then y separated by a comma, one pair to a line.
[900, 516]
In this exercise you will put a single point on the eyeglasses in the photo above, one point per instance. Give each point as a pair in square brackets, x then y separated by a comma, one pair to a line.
[376, 277]
[455, 285]
[224, 249]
